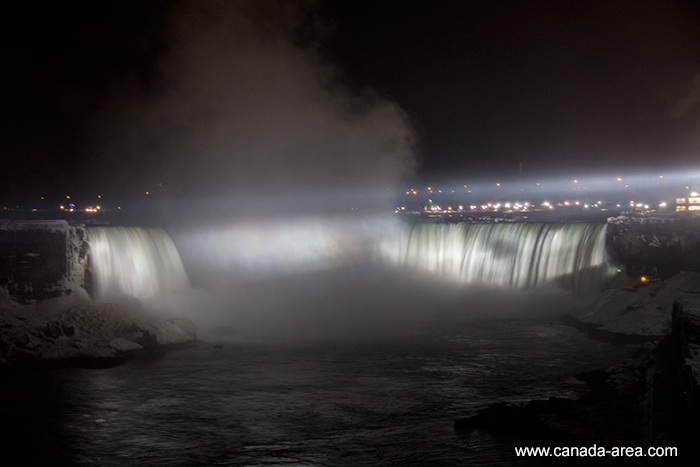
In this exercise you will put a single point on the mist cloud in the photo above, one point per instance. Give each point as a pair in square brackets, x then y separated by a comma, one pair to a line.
[689, 101]
[240, 107]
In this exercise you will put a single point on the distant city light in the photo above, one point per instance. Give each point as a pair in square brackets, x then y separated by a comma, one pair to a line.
[602, 193]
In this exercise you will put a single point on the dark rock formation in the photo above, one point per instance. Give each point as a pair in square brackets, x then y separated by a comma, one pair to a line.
[661, 244]
[40, 259]
[617, 411]
[686, 337]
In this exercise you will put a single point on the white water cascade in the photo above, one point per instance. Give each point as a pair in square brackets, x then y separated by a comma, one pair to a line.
[134, 262]
[514, 254]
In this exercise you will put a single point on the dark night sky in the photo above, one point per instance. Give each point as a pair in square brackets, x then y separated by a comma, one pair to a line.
[561, 85]
[119, 96]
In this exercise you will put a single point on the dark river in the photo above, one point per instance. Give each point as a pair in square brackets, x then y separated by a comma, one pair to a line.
[352, 402]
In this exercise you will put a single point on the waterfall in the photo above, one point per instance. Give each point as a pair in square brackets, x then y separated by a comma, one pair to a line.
[134, 262]
[513, 254]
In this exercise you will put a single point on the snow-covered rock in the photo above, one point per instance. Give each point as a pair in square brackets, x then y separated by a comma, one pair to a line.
[644, 312]
[76, 330]
[47, 315]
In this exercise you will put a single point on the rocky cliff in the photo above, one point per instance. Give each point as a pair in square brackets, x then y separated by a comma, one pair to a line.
[47, 316]
[41, 259]
[655, 244]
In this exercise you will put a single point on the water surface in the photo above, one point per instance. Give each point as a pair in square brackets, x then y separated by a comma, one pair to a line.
[371, 402]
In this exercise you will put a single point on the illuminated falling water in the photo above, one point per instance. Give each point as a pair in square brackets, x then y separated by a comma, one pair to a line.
[513, 254]
[134, 262]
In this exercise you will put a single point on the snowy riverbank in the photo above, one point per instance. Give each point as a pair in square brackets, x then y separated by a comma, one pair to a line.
[651, 400]
[76, 331]
[638, 312]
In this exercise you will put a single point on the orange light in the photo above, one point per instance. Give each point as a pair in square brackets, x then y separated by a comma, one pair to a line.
[643, 279]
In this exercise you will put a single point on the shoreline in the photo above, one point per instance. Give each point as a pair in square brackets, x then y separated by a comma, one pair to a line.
[75, 331]
[652, 399]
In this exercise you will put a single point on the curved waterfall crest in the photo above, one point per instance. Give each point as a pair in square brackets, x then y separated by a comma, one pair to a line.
[506, 254]
[141, 263]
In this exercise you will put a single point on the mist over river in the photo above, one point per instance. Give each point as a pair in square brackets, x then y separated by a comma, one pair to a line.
[320, 344]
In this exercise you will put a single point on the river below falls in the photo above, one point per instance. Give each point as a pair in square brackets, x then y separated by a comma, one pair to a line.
[374, 401]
